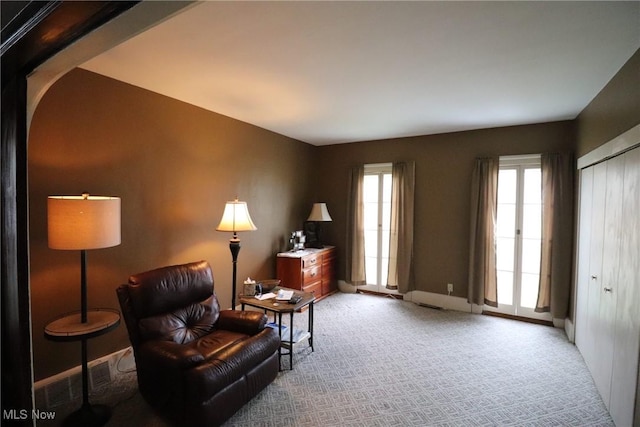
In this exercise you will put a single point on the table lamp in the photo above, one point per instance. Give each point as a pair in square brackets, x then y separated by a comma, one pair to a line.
[82, 223]
[319, 214]
[235, 218]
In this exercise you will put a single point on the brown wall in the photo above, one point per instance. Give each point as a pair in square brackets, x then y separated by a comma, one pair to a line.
[613, 111]
[174, 166]
[443, 179]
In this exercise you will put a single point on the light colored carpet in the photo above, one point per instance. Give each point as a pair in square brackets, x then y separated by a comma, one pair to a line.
[385, 362]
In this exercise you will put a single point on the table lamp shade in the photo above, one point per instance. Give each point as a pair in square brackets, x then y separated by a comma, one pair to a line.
[319, 212]
[83, 222]
[236, 218]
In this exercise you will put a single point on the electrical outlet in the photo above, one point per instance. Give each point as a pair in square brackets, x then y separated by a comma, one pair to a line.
[449, 287]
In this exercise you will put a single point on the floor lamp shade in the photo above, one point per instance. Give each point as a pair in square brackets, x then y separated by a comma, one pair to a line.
[236, 218]
[83, 222]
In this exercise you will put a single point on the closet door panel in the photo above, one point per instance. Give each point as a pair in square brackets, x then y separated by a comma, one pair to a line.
[593, 324]
[583, 276]
[627, 293]
[609, 283]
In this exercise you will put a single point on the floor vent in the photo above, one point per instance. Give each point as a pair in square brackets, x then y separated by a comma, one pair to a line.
[100, 375]
[66, 386]
[75, 385]
[57, 393]
[435, 307]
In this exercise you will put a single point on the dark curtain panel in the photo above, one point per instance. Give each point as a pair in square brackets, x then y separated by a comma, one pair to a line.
[355, 264]
[401, 234]
[557, 226]
[482, 248]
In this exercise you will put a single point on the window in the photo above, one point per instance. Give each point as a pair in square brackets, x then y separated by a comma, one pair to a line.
[519, 234]
[377, 219]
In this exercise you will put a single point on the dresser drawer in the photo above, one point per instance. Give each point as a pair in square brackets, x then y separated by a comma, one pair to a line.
[316, 288]
[311, 261]
[310, 275]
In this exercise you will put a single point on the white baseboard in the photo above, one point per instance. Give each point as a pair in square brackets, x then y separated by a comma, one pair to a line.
[569, 329]
[446, 302]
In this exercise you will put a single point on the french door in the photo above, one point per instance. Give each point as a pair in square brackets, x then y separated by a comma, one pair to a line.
[377, 225]
[519, 236]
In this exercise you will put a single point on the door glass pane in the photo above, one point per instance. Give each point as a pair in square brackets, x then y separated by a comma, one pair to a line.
[385, 221]
[371, 243]
[505, 254]
[531, 221]
[384, 271]
[370, 189]
[531, 256]
[386, 187]
[370, 270]
[506, 221]
[370, 216]
[532, 188]
[507, 184]
[385, 244]
[529, 290]
[505, 287]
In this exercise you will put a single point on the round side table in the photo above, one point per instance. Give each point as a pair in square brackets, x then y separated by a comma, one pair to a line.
[70, 327]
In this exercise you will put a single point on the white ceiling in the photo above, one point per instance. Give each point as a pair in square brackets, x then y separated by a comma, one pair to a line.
[337, 72]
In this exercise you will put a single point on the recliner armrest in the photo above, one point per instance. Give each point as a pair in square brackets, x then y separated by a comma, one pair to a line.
[169, 355]
[245, 322]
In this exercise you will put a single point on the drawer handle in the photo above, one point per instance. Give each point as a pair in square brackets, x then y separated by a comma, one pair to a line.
[608, 289]
[594, 277]
[313, 273]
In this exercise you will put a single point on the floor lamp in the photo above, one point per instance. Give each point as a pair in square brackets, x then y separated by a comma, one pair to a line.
[82, 223]
[235, 218]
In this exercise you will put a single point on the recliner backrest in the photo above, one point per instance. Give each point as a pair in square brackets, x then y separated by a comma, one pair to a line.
[175, 303]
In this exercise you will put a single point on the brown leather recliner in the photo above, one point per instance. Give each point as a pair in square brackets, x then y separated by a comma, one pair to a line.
[196, 365]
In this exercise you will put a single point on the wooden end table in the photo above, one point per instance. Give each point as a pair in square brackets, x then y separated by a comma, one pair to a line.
[279, 308]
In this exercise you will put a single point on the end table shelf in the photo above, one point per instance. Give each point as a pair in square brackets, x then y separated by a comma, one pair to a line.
[70, 327]
[298, 336]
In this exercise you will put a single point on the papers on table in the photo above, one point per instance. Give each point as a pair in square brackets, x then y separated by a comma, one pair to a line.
[284, 295]
[265, 296]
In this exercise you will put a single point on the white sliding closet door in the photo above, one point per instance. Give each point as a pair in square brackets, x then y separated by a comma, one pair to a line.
[627, 336]
[609, 277]
[583, 275]
[608, 282]
[593, 264]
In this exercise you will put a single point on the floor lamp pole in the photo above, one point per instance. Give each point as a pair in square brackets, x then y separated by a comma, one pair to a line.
[88, 415]
[234, 247]
[83, 318]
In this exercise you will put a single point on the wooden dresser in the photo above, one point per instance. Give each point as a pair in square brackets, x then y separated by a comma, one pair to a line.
[309, 270]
